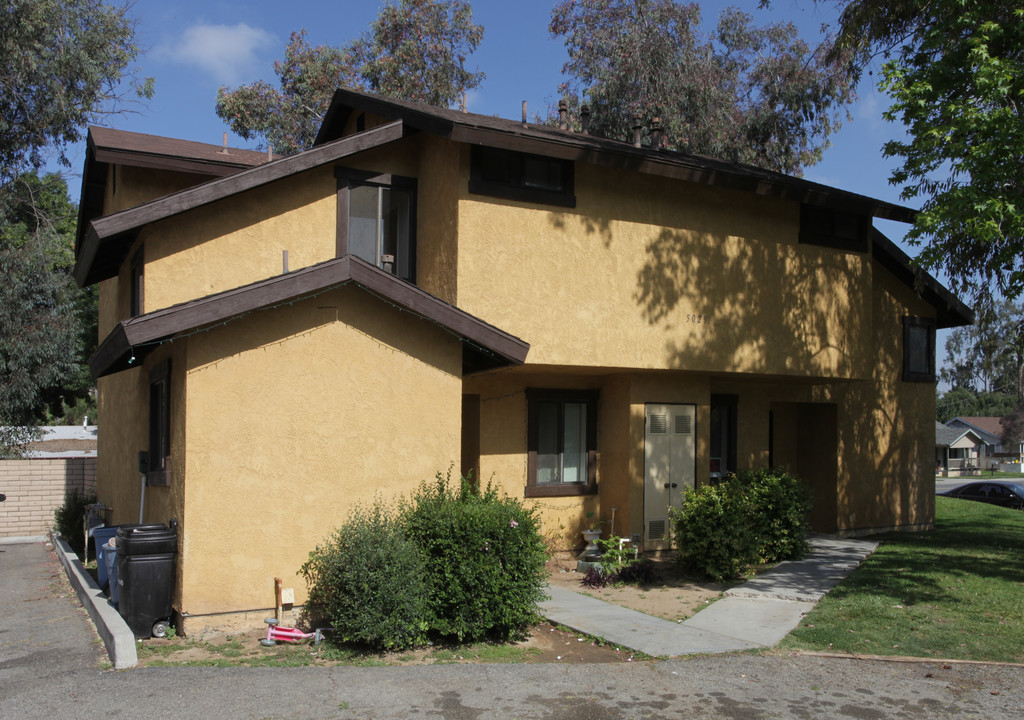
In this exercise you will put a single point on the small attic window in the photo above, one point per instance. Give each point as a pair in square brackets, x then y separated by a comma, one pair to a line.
[520, 176]
[834, 229]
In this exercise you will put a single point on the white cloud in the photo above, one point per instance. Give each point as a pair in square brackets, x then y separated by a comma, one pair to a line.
[227, 52]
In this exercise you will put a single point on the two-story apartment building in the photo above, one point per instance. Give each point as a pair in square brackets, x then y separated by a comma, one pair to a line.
[588, 324]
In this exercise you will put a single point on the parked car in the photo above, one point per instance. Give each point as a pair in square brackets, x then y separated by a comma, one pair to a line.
[1006, 494]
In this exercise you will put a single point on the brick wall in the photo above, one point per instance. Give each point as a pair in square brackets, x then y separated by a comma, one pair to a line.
[36, 487]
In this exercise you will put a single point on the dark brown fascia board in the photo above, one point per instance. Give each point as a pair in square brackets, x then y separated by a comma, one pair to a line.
[138, 336]
[429, 120]
[541, 140]
[125, 224]
[198, 166]
[950, 311]
[105, 147]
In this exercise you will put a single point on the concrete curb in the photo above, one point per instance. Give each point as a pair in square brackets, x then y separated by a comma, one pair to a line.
[24, 539]
[113, 630]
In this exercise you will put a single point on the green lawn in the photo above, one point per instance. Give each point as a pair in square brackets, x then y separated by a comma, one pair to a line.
[983, 475]
[956, 592]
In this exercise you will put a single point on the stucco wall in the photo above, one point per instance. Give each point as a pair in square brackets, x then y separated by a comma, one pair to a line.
[296, 415]
[124, 406]
[651, 273]
[36, 487]
[251, 230]
[887, 429]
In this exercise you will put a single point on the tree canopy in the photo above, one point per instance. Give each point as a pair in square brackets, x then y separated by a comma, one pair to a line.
[955, 73]
[61, 65]
[415, 50]
[40, 333]
[757, 95]
[984, 365]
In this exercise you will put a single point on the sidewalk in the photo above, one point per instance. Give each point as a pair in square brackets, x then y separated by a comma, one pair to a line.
[758, 613]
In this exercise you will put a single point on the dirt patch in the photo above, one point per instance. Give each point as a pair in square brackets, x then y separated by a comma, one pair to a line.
[544, 644]
[674, 597]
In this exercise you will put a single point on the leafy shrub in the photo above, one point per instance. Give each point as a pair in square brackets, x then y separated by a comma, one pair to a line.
[757, 516]
[615, 554]
[781, 505]
[69, 518]
[594, 578]
[484, 556]
[370, 580]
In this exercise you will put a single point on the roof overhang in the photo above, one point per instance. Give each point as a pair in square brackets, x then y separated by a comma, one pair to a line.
[950, 311]
[108, 240]
[485, 347]
[106, 147]
[553, 142]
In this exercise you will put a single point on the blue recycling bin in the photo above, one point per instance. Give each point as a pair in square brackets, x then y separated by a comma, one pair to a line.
[100, 536]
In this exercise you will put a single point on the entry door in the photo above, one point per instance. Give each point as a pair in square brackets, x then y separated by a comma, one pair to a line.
[669, 464]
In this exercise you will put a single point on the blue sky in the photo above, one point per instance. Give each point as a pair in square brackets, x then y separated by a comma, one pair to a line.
[192, 48]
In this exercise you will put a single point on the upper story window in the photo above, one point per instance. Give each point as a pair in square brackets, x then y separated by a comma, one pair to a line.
[519, 176]
[918, 349]
[834, 228]
[377, 220]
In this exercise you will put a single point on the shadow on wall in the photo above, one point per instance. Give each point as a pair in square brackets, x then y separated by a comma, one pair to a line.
[754, 306]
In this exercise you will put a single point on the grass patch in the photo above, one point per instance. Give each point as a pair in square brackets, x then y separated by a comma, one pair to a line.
[983, 475]
[954, 592]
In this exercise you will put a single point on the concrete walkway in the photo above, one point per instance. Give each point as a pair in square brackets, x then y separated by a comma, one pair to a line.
[756, 614]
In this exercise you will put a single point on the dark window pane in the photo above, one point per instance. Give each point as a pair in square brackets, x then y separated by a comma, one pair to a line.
[548, 442]
[363, 223]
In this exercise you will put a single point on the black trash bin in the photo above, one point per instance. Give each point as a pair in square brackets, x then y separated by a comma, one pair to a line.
[145, 577]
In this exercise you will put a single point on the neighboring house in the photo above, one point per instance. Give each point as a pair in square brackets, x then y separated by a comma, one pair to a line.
[589, 325]
[990, 430]
[957, 451]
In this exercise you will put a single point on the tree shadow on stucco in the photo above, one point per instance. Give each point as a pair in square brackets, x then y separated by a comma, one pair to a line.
[740, 305]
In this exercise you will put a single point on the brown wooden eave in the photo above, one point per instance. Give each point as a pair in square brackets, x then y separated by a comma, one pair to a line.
[950, 311]
[489, 131]
[485, 347]
[107, 240]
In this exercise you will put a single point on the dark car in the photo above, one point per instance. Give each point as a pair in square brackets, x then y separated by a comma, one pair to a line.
[1006, 494]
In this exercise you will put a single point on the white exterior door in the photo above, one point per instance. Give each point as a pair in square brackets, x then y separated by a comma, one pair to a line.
[669, 465]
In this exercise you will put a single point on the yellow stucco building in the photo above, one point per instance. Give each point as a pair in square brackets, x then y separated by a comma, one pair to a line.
[590, 325]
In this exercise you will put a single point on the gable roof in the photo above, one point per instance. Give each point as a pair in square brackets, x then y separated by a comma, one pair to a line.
[106, 147]
[108, 239]
[484, 346]
[946, 436]
[991, 426]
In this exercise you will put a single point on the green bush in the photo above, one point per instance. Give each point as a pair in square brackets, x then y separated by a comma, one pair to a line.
[69, 518]
[781, 505]
[370, 581]
[754, 517]
[485, 560]
[714, 531]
